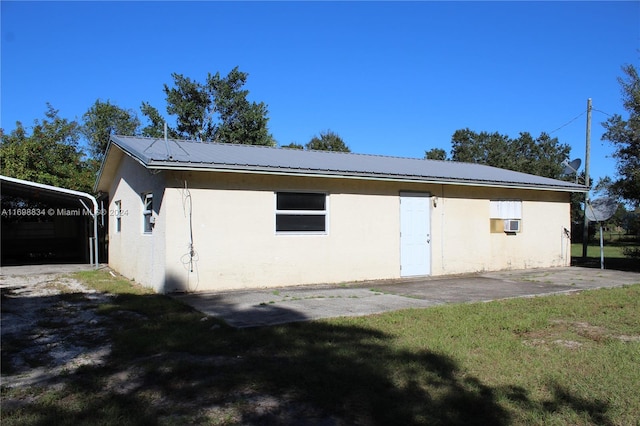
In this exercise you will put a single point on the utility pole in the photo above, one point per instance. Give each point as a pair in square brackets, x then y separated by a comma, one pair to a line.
[585, 229]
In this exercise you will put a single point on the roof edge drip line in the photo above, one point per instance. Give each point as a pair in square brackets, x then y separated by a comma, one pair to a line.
[159, 167]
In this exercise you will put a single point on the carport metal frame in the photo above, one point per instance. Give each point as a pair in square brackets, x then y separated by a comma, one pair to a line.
[93, 246]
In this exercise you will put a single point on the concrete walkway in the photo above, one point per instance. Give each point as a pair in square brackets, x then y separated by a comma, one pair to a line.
[261, 307]
[62, 268]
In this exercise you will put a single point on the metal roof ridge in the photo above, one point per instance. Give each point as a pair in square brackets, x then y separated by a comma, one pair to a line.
[457, 165]
[250, 146]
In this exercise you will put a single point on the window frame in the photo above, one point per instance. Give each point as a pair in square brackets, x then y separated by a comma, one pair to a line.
[118, 215]
[501, 204]
[502, 210]
[147, 213]
[301, 212]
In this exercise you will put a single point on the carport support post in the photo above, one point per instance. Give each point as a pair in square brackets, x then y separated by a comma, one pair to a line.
[95, 235]
[93, 248]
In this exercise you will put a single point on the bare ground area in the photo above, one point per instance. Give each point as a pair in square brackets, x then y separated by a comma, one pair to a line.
[51, 330]
[51, 319]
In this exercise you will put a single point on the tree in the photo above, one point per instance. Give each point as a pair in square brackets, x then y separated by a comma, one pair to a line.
[155, 128]
[625, 136]
[102, 120]
[471, 147]
[293, 145]
[542, 156]
[435, 154]
[192, 105]
[241, 121]
[49, 155]
[327, 141]
[215, 111]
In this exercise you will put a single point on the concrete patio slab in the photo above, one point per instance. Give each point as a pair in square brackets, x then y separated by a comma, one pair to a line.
[262, 307]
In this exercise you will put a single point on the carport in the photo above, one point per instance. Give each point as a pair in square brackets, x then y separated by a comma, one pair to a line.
[47, 224]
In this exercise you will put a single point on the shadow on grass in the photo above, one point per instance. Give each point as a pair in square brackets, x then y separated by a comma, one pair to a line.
[617, 263]
[594, 411]
[171, 365]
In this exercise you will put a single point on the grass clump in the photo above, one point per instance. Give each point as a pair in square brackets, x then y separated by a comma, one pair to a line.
[107, 282]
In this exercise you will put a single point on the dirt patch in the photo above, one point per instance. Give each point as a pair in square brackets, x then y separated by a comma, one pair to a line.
[560, 329]
[49, 328]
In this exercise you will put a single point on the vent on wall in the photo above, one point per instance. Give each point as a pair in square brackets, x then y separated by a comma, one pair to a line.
[512, 225]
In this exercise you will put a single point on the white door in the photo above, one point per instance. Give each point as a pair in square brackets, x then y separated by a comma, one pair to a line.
[415, 234]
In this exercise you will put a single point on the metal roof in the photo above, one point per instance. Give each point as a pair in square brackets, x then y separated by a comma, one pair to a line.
[173, 154]
[54, 194]
[40, 192]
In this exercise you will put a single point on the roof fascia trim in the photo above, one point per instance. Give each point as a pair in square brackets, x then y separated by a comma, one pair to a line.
[338, 175]
[114, 142]
[130, 154]
[102, 165]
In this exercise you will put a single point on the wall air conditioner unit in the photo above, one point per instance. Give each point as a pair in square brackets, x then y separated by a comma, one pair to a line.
[512, 225]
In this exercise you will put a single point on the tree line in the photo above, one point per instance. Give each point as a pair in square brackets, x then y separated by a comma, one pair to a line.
[218, 110]
[544, 155]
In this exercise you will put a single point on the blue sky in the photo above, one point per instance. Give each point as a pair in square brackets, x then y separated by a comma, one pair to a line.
[391, 78]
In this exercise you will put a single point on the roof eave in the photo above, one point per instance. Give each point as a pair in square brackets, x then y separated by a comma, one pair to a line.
[96, 183]
[163, 165]
[114, 142]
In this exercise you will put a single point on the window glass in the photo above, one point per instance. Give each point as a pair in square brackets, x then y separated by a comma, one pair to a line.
[148, 213]
[118, 212]
[301, 212]
[303, 223]
[300, 201]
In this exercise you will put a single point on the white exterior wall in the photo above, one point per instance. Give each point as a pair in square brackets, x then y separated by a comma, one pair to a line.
[136, 255]
[236, 246]
[463, 241]
[231, 218]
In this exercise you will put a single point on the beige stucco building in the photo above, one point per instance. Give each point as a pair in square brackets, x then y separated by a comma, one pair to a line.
[189, 216]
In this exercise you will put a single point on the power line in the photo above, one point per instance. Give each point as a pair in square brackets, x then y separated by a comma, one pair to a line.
[605, 113]
[568, 122]
[578, 116]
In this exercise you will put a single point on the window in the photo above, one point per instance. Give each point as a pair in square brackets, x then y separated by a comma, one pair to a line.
[506, 209]
[118, 214]
[505, 216]
[301, 212]
[147, 213]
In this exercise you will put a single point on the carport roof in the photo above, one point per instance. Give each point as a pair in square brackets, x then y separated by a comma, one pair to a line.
[54, 194]
[171, 154]
[47, 194]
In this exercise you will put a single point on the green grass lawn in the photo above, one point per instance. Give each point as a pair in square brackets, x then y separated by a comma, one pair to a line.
[614, 256]
[559, 360]
[593, 250]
